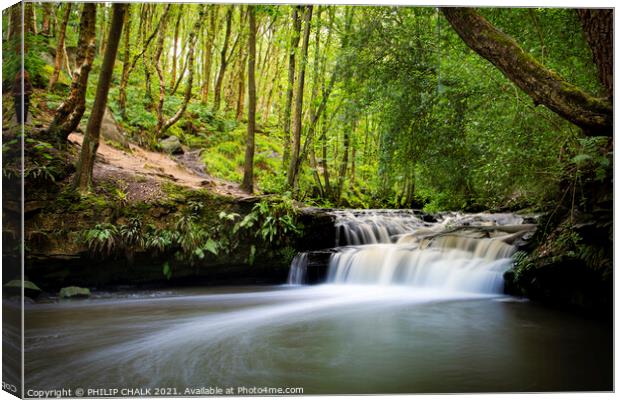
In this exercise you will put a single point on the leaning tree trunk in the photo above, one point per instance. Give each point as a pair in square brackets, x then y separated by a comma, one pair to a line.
[159, 47]
[70, 112]
[190, 79]
[593, 115]
[598, 26]
[248, 170]
[223, 62]
[84, 174]
[299, 100]
[122, 90]
[60, 47]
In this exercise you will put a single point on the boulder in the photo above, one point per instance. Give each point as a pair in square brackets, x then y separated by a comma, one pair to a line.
[14, 287]
[74, 292]
[111, 130]
[171, 145]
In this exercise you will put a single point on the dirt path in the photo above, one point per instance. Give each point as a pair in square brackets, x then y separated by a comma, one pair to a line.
[142, 171]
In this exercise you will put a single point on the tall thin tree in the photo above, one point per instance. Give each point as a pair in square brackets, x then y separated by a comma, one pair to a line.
[60, 47]
[295, 34]
[248, 171]
[299, 101]
[84, 175]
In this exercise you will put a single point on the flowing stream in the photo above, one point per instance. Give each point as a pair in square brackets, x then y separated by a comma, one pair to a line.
[408, 306]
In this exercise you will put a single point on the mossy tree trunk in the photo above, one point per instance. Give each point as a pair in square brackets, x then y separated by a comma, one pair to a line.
[594, 115]
[598, 26]
[248, 171]
[84, 175]
[60, 47]
[70, 112]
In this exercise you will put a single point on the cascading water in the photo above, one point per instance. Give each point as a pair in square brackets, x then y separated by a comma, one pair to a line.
[299, 266]
[461, 253]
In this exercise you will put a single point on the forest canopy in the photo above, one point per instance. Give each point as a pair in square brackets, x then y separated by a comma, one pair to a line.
[331, 105]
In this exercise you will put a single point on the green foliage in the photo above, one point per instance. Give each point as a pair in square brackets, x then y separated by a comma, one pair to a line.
[273, 221]
[102, 239]
[33, 62]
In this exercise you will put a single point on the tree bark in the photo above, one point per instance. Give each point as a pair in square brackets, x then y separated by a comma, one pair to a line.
[593, 115]
[68, 115]
[122, 92]
[248, 170]
[299, 100]
[15, 22]
[241, 89]
[84, 174]
[60, 47]
[47, 11]
[223, 61]
[175, 45]
[159, 47]
[598, 26]
[291, 83]
[208, 55]
[103, 26]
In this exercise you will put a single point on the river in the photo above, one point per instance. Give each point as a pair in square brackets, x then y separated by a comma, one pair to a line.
[325, 339]
[405, 308]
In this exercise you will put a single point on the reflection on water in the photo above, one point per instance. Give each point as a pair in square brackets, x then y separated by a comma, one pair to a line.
[326, 339]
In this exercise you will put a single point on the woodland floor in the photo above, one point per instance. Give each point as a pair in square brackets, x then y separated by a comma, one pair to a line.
[141, 173]
[144, 171]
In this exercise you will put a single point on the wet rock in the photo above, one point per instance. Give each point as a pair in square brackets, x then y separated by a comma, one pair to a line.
[171, 145]
[14, 288]
[429, 218]
[74, 292]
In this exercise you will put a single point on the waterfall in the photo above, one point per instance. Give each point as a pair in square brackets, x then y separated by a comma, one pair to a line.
[451, 251]
[299, 267]
[384, 247]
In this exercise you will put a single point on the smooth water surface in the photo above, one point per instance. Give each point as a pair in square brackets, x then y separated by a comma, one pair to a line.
[325, 339]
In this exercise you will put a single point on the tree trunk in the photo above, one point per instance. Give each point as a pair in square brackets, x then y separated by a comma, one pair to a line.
[47, 11]
[241, 89]
[84, 174]
[598, 26]
[122, 92]
[343, 165]
[60, 47]
[223, 61]
[593, 115]
[68, 115]
[159, 47]
[291, 83]
[272, 85]
[30, 25]
[16, 24]
[248, 170]
[208, 55]
[299, 100]
[103, 26]
[175, 45]
[190, 79]
[148, 95]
